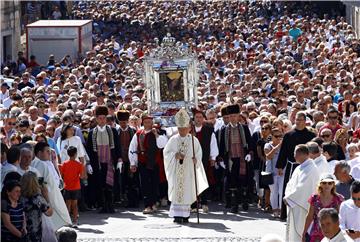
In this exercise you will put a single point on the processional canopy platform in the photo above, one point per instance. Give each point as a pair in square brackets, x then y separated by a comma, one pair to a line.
[171, 74]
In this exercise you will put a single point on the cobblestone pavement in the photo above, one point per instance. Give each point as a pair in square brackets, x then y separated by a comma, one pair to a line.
[218, 225]
[216, 239]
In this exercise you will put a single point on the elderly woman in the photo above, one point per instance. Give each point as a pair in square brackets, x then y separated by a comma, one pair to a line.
[35, 200]
[325, 197]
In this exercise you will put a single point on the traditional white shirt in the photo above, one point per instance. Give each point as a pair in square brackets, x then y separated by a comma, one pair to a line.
[218, 124]
[161, 141]
[340, 237]
[214, 150]
[349, 216]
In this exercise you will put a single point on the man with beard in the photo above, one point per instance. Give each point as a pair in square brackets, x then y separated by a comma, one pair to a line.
[104, 152]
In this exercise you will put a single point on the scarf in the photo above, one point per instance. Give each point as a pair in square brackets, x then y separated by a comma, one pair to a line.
[242, 136]
[111, 138]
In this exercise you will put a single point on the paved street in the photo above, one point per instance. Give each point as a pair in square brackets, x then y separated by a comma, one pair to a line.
[132, 225]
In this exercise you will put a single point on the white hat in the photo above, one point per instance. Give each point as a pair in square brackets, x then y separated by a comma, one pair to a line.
[182, 119]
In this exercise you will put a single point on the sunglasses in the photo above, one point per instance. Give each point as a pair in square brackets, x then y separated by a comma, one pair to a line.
[10, 123]
[356, 198]
[328, 183]
[325, 135]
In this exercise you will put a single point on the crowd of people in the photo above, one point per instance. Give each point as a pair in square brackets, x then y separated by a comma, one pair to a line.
[279, 99]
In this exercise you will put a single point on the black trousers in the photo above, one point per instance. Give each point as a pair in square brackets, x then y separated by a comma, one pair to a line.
[238, 187]
[94, 197]
[149, 180]
[163, 190]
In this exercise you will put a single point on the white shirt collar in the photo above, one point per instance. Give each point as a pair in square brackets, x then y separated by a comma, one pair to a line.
[101, 129]
[232, 125]
[127, 127]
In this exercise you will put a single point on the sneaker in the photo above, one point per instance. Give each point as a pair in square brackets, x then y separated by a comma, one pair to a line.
[205, 208]
[147, 210]
[164, 202]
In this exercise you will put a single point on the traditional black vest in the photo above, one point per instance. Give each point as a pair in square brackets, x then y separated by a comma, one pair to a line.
[204, 137]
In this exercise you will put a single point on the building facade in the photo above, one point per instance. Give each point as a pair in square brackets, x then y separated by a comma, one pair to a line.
[10, 38]
[353, 15]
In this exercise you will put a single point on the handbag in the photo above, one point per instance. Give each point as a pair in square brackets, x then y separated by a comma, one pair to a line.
[266, 178]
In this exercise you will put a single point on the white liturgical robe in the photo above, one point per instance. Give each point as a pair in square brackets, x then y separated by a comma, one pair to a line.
[298, 190]
[181, 178]
[60, 216]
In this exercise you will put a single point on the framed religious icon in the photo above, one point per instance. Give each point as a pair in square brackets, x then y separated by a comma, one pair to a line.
[171, 86]
[170, 72]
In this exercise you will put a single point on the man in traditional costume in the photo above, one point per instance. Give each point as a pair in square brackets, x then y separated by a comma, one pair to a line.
[143, 150]
[180, 155]
[163, 186]
[104, 151]
[129, 182]
[299, 135]
[206, 136]
[301, 185]
[236, 151]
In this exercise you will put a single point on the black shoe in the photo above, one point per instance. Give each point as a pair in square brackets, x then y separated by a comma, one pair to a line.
[185, 220]
[245, 206]
[104, 210]
[178, 220]
[234, 209]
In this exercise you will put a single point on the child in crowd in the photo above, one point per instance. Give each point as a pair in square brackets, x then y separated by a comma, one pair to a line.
[72, 171]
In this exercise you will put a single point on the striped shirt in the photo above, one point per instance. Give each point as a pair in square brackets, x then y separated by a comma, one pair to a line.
[16, 217]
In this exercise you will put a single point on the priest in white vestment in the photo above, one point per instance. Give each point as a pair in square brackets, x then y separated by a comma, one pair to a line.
[179, 169]
[318, 158]
[301, 185]
[60, 216]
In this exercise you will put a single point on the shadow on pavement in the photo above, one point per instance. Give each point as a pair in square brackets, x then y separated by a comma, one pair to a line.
[218, 227]
[88, 230]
